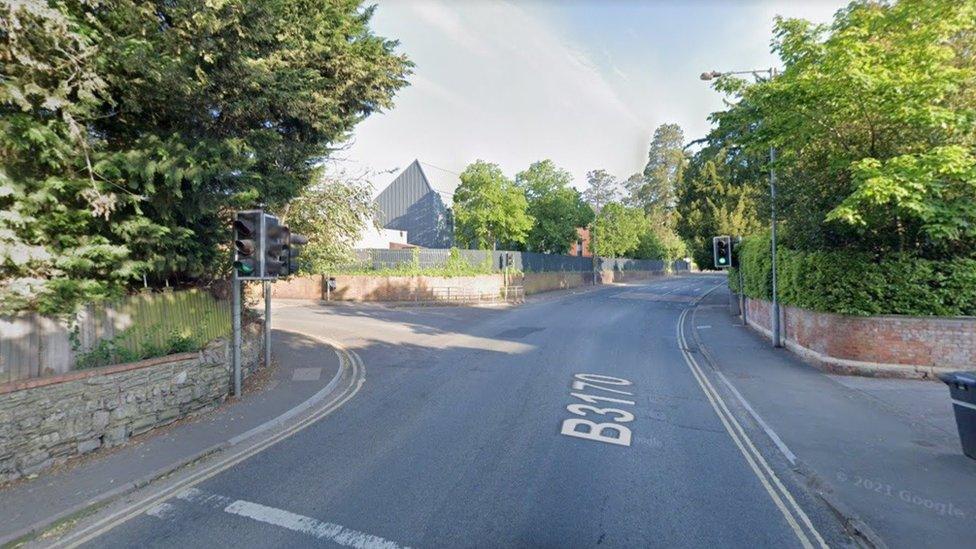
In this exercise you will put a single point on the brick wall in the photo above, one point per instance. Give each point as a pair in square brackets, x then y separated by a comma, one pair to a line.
[45, 421]
[890, 345]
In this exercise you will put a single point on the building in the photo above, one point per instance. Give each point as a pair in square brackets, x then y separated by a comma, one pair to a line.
[387, 239]
[419, 202]
[581, 246]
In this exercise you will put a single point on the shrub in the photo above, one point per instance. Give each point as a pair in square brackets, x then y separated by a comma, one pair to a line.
[858, 283]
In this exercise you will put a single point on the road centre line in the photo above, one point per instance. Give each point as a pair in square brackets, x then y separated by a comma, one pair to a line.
[742, 441]
[301, 524]
[335, 533]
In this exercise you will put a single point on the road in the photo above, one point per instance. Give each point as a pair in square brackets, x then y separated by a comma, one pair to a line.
[459, 438]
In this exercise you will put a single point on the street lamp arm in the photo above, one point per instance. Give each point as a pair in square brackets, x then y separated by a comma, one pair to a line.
[712, 75]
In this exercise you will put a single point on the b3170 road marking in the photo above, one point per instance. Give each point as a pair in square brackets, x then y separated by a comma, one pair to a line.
[609, 432]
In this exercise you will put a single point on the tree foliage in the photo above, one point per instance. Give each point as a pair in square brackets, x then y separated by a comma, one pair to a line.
[489, 208]
[332, 213]
[131, 130]
[657, 186]
[555, 206]
[618, 229]
[602, 188]
[882, 102]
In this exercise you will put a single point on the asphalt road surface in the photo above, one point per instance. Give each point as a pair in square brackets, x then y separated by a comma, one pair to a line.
[481, 428]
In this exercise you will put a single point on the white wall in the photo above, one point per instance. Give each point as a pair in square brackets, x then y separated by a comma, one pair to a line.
[372, 237]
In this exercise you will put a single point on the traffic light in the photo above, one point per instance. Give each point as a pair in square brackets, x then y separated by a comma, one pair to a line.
[276, 247]
[247, 243]
[295, 243]
[722, 250]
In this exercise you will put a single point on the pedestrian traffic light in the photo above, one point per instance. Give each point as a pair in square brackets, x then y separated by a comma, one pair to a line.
[722, 250]
[247, 243]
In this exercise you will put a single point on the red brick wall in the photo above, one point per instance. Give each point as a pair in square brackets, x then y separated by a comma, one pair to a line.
[922, 344]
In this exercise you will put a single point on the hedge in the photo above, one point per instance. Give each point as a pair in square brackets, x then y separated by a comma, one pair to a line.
[857, 283]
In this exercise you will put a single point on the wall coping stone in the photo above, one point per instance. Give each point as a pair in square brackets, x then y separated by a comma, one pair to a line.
[76, 375]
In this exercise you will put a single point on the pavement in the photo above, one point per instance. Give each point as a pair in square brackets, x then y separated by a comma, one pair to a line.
[466, 433]
[303, 366]
[619, 415]
[887, 449]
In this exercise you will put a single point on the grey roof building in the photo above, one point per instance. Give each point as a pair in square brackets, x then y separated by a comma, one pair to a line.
[419, 201]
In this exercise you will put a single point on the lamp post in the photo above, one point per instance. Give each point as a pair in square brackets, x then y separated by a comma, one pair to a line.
[712, 75]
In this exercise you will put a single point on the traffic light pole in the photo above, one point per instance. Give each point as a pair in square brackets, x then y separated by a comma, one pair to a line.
[267, 323]
[236, 331]
[777, 342]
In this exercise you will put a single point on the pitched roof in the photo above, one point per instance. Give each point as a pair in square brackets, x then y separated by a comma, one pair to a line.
[441, 181]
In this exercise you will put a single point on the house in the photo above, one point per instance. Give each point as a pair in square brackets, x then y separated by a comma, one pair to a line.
[419, 202]
[581, 246]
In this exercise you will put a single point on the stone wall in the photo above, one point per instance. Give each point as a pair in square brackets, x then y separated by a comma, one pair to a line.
[544, 282]
[385, 288]
[889, 345]
[609, 277]
[432, 288]
[45, 421]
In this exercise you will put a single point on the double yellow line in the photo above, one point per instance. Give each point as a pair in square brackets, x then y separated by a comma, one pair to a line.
[792, 512]
[349, 361]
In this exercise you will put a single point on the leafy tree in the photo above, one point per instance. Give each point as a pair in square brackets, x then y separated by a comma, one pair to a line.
[489, 208]
[656, 187]
[332, 213]
[717, 195]
[881, 102]
[601, 189]
[132, 129]
[557, 208]
[660, 240]
[618, 229]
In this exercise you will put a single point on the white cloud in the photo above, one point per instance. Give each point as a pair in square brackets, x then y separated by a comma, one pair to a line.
[493, 81]
[513, 84]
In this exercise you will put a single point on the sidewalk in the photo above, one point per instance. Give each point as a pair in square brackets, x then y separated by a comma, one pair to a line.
[886, 448]
[302, 367]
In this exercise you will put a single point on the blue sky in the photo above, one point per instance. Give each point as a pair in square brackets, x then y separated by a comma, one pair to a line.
[581, 82]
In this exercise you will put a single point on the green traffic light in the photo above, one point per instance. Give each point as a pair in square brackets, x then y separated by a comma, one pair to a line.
[243, 268]
[721, 260]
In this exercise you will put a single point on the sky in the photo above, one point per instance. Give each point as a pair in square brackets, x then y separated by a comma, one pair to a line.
[583, 83]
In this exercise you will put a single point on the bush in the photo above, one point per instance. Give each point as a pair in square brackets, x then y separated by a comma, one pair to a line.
[857, 283]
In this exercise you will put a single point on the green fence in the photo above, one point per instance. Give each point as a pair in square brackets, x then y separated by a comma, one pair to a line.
[135, 327]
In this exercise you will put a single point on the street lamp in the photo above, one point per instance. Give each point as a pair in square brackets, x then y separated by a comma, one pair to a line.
[712, 75]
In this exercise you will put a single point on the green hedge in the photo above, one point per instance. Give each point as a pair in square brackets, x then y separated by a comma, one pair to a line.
[857, 283]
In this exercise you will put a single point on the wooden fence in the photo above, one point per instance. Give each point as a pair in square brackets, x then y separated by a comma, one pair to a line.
[32, 345]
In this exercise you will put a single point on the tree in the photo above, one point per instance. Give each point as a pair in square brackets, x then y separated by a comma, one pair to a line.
[618, 229]
[656, 187]
[332, 213]
[602, 189]
[489, 208]
[557, 208]
[878, 103]
[711, 201]
[131, 130]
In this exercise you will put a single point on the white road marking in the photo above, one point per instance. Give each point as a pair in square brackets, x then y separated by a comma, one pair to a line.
[335, 533]
[742, 441]
[348, 359]
[306, 374]
[160, 511]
